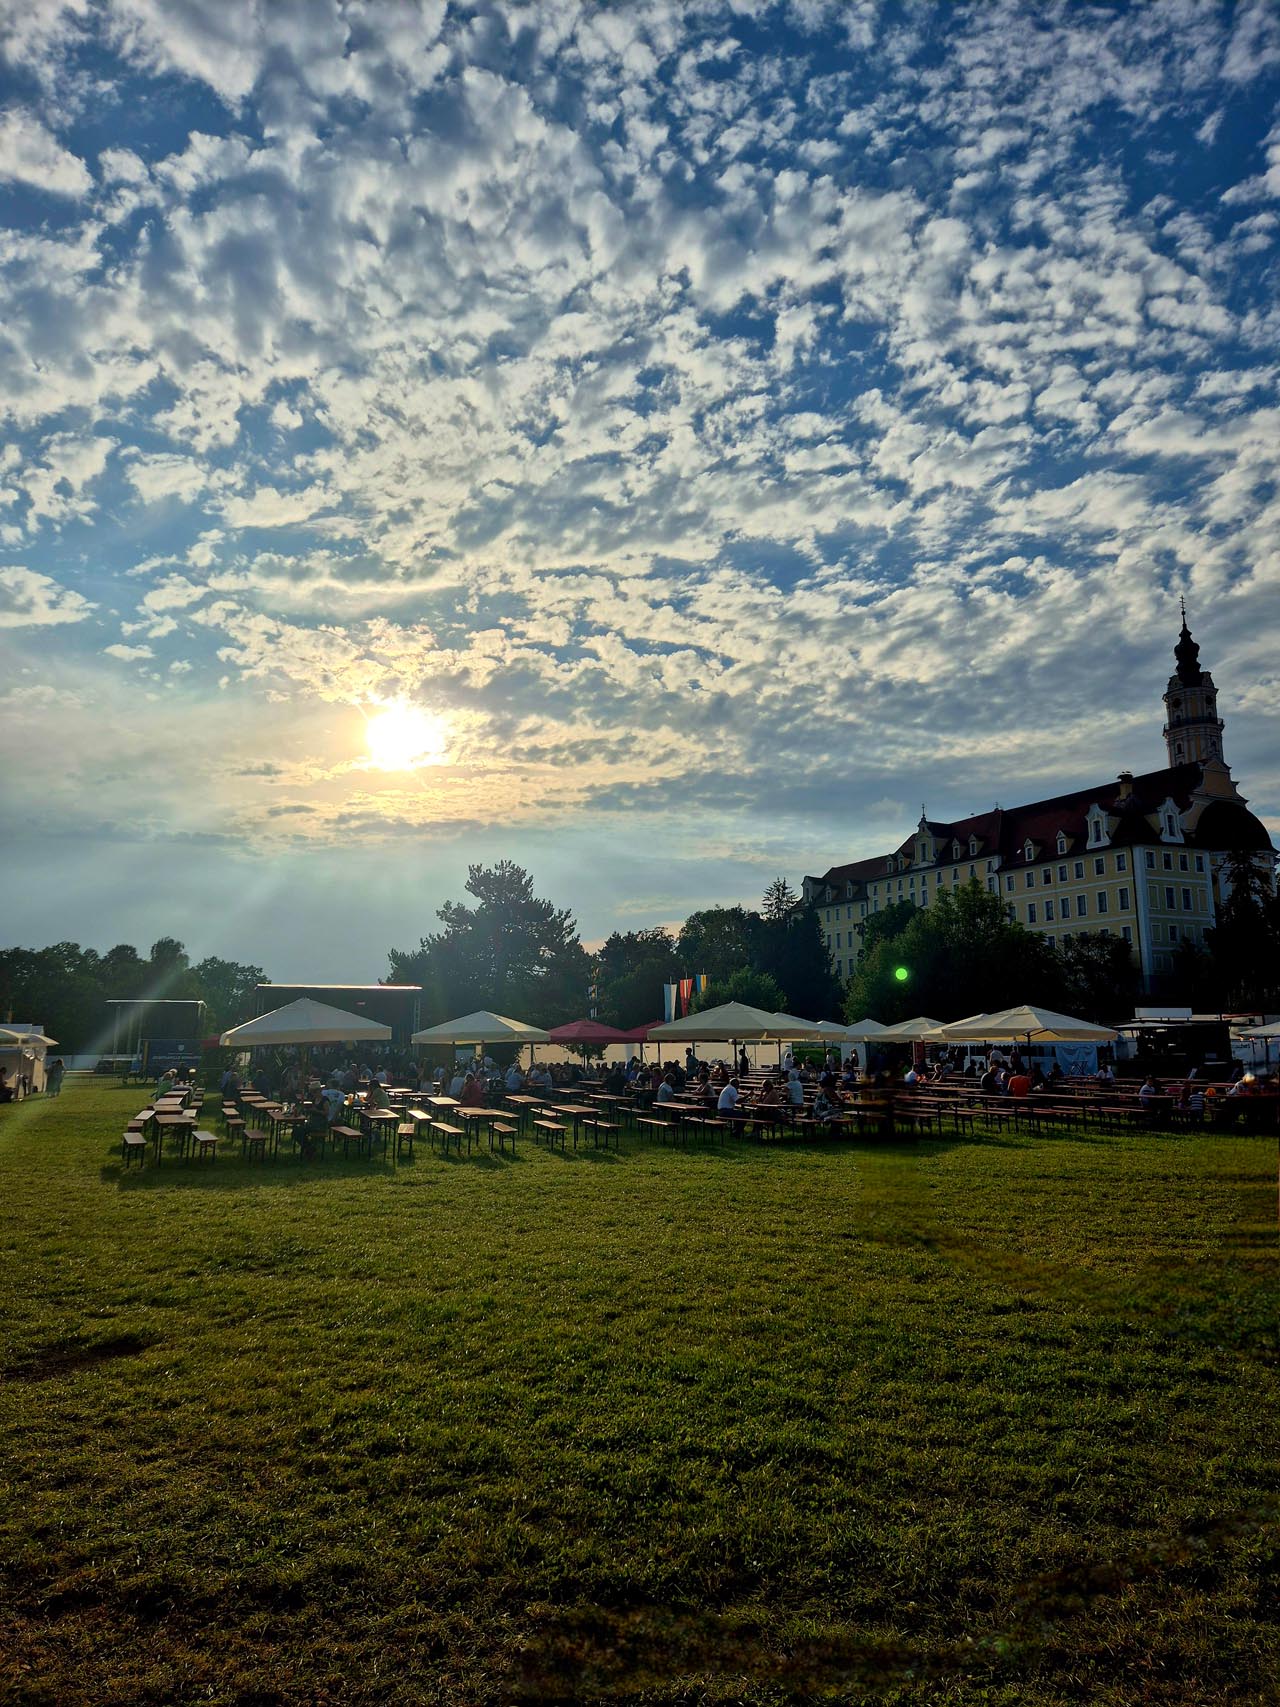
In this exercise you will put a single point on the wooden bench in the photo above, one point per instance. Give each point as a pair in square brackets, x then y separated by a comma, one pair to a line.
[134, 1144]
[502, 1133]
[349, 1135]
[600, 1130]
[253, 1144]
[665, 1127]
[448, 1134]
[406, 1132]
[205, 1144]
[551, 1129]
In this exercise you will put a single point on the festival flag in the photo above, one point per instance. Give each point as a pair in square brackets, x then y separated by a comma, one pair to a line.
[701, 981]
[669, 1001]
[686, 994]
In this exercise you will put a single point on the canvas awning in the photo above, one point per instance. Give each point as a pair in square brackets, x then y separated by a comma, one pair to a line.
[864, 1030]
[908, 1031]
[792, 1029]
[482, 1027]
[731, 1022]
[12, 1039]
[586, 1031]
[1029, 1024]
[305, 1021]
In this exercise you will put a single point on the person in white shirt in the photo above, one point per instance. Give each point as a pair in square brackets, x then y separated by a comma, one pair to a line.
[666, 1090]
[788, 1061]
[727, 1103]
[515, 1078]
[456, 1083]
[795, 1089]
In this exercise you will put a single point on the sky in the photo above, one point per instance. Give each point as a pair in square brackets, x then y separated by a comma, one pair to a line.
[663, 444]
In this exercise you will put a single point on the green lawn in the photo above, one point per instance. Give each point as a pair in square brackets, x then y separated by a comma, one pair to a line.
[987, 1422]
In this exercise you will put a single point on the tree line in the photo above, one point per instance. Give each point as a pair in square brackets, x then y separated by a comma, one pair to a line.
[66, 988]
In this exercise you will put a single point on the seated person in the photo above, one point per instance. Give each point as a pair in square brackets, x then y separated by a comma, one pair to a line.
[795, 1089]
[666, 1087]
[473, 1092]
[514, 1080]
[770, 1096]
[823, 1107]
[376, 1095]
[727, 1102]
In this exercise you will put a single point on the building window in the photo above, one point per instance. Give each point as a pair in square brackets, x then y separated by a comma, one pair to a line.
[973, 847]
[1173, 933]
[1168, 898]
[1186, 900]
[1168, 862]
[1062, 843]
[1122, 862]
[1031, 912]
[837, 939]
[1082, 906]
[1031, 880]
[973, 871]
[1182, 863]
[1028, 852]
[1199, 862]
[862, 910]
[1102, 900]
[1099, 867]
[1062, 874]
[1047, 875]
[1124, 900]
[1048, 912]
[1151, 860]
[1079, 869]
[1008, 882]
[1126, 931]
[1052, 941]
[991, 885]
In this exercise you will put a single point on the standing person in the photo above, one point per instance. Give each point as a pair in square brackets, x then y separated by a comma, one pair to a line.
[53, 1076]
[744, 1066]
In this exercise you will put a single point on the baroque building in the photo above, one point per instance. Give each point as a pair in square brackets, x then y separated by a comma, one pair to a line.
[1141, 857]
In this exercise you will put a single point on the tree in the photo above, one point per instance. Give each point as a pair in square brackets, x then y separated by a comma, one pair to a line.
[718, 941]
[1100, 978]
[753, 989]
[879, 927]
[631, 970]
[780, 901]
[228, 989]
[512, 953]
[962, 954]
[1244, 944]
[792, 951]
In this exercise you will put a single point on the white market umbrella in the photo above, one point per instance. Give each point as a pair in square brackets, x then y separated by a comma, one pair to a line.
[482, 1027]
[11, 1039]
[731, 1022]
[954, 1030]
[908, 1030]
[1035, 1025]
[793, 1029]
[305, 1021]
[864, 1030]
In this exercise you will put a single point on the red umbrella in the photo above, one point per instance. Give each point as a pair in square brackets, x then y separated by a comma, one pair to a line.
[587, 1031]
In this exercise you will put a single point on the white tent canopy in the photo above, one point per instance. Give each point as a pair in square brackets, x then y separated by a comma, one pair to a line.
[864, 1030]
[1032, 1024]
[482, 1027]
[1260, 1033]
[792, 1029]
[908, 1030]
[833, 1031]
[14, 1037]
[731, 1022]
[954, 1031]
[305, 1021]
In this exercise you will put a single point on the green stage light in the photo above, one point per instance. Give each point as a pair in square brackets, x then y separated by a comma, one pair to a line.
[901, 974]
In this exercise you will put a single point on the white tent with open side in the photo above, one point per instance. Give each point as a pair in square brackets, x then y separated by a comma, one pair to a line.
[482, 1027]
[305, 1021]
[1027, 1024]
[793, 1029]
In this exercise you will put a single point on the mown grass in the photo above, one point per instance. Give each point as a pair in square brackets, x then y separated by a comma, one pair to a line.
[986, 1422]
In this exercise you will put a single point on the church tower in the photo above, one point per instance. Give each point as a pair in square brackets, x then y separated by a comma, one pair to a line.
[1192, 729]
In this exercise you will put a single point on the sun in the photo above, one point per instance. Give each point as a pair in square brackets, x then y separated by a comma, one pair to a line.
[401, 737]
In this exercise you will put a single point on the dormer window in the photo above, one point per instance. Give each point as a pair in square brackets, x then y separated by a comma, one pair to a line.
[973, 847]
[955, 850]
[1170, 823]
[1062, 842]
[848, 891]
[1097, 821]
[1028, 851]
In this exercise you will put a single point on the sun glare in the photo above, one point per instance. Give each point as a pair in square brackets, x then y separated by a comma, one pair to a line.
[402, 737]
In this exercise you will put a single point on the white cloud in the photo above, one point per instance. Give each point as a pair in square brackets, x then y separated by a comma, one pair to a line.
[29, 154]
[31, 600]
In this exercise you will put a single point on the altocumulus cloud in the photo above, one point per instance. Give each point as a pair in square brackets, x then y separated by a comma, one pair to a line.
[693, 403]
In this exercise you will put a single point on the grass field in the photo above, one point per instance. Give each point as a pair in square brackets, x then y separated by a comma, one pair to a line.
[987, 1422]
